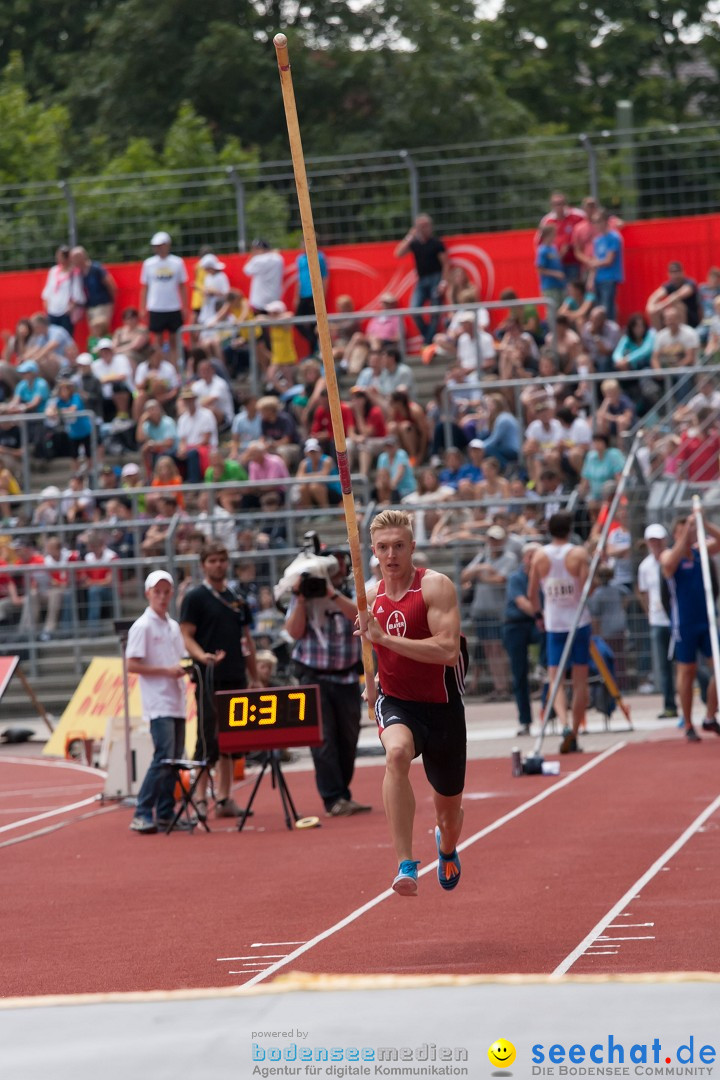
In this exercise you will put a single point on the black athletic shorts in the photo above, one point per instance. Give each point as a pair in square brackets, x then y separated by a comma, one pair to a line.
[158, 321]
[439, 733]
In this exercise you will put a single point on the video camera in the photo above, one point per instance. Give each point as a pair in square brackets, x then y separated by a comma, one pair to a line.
[310, 572]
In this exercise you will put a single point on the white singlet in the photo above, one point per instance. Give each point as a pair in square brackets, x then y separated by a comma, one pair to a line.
[562, 592]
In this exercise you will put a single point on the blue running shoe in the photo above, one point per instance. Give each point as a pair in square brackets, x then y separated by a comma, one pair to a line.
[448, 865]
[406, 881]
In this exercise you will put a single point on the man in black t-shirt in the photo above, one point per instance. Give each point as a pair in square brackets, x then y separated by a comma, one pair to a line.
[677, 287]
[430, 262]
[216, 625]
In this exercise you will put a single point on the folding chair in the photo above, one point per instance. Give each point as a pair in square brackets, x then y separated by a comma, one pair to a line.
[187, 798]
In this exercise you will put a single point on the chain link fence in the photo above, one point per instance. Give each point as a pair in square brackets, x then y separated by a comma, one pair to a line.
[475, 187]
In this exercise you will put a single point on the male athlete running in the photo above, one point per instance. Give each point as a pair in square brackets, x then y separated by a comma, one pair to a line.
[414, 626]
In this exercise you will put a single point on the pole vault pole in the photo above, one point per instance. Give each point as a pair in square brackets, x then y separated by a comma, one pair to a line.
[311, 250]
[707, 584]
[560, 673]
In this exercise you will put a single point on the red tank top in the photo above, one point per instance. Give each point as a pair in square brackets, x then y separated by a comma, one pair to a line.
[400, 676]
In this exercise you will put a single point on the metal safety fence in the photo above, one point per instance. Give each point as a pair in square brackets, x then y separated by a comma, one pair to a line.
[472, 187]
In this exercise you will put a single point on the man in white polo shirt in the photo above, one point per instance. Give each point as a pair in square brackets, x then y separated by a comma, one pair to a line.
[649, 593]
[163, 293]
[154, 650]
[266, 269]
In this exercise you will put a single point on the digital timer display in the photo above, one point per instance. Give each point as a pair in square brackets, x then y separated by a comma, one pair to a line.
[269, 718]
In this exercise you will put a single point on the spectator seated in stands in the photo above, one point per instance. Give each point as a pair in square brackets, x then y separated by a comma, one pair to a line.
[317, 463]
[579, 301]
[65, 432]
[59, 588]
[31, 395]
[51, 347]
[543, 433]
[369, 377]
[503, 438]
[677, 343]
[130, 478]
[616, 413]
[115, 374]
[343, 332]
[408, 421]
[121, 537]
[602, 463]
[78, 505]
[156, 434]
[88, 386]
[599, 337]
[394, 477]
[16, 343]
[429, 490]
[677, 288]
[154, 542]
[493, 484]
[698, 454]
[707, 396]
[514, 337]
[712, 348]
[264, 466]
[576, 440]
[99, 579]
[709, 293]
[278, 430]
[132, 337]
[566, 345]
[233, 346]
[11, 453]
[394, 374]
[197, 435]
[219, 523]
[321, 426]
[165, 475]
[370, 429]
[634, 350]
[457, 469]
[384, 329]
[157, 379]
[246, 427]
[48, 511]
[222, 470]
[214, 393]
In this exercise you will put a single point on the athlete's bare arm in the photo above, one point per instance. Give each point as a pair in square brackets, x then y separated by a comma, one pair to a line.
[539, 567]
[671, 559]
[443, 615]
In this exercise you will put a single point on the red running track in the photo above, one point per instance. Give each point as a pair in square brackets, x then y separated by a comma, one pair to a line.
[551, 871]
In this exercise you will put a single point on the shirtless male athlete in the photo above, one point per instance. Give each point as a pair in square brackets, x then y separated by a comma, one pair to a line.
[414, 626]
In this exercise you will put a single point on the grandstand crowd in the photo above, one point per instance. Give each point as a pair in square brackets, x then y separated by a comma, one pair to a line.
[482, 464]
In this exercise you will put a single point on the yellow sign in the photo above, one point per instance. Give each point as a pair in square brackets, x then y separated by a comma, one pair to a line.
[98, 697]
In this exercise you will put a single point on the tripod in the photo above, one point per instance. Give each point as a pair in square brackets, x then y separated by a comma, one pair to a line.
[271, 760]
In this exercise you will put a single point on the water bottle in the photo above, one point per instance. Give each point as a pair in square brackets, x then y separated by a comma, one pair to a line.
[516, 760]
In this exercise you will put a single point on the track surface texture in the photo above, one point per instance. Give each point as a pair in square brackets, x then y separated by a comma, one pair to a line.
[609, 868]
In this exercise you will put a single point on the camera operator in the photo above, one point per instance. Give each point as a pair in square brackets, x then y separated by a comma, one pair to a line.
[321, 619]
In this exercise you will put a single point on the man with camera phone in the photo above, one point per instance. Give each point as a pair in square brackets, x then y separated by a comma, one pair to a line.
[321, 619]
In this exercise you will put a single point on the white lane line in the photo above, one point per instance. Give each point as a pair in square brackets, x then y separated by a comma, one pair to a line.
[640, 937]
[59, 763]
[354, 915]
[635, 889]
[48, 814]
[629, 925]
[10, 793]
[273, 944]
[268, 956]
[58, 825]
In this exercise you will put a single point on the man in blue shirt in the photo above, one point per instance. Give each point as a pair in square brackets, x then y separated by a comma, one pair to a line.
[304, 303]
[503, 441]
[551, 272]
[681, 568]
[608, 262]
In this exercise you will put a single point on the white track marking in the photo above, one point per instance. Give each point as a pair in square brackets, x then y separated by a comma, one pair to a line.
[634, 890]
[48, 814]
[354, 915]
[640, 937]
[58, 764]
[58, 825]
[268, 956]
[629, 925]
[273, 944]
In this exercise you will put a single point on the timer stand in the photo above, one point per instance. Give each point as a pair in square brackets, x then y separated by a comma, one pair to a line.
[271, 761]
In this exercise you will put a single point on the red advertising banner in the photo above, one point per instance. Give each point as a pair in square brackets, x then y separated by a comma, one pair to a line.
[494, 261]
[7, 667]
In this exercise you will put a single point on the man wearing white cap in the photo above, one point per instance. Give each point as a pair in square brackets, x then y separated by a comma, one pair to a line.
[650, 597]
[163, 293]
[154, 650]
[215, 288]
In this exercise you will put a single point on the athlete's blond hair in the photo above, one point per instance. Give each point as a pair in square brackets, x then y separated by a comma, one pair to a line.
[392, 519]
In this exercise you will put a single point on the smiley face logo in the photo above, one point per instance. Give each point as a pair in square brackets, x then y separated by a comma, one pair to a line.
[501, 1054]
